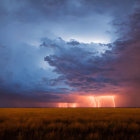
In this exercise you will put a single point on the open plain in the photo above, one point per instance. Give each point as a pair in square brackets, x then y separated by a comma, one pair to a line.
[69, 124]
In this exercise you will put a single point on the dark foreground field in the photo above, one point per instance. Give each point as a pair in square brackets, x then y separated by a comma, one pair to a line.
[70, 124]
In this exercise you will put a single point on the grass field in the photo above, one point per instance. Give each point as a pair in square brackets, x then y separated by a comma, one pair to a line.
[70, 124]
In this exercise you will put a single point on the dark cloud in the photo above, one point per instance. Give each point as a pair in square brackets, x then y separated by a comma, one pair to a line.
[83, 20]
[82, 68]
[30, 99]
[37, 65]
[118, 67]
[73, 42]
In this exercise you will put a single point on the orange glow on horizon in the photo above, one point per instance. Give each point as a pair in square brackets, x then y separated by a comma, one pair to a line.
[105, 101]
[90, 101]
[66, 105]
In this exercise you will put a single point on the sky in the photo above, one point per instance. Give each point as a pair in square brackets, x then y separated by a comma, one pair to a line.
[69, 53]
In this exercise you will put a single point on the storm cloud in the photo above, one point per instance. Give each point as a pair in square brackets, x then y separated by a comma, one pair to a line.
[53, 48]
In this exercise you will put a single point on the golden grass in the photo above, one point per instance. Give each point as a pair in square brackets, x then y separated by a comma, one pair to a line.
[70, 124]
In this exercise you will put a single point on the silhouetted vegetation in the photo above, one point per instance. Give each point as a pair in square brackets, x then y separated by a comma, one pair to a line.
[70, 124]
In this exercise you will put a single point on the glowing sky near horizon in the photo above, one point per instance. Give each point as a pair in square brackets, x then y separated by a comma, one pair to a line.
[92, 101]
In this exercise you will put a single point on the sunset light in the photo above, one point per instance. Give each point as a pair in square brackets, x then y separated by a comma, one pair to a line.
[66, 105]
[90, 101]
[105, 101]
